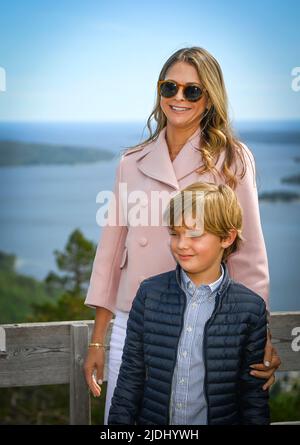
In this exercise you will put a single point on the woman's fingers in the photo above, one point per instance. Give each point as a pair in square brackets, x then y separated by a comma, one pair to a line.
[260, 367]
[96, 388]
[269, 383]
[261, 371]
[274, 364]
[99, 377]
[91, 381]
[93, 369]
[262, 374]
[268, 353]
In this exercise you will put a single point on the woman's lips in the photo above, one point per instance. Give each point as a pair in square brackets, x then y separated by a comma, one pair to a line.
[182, 110]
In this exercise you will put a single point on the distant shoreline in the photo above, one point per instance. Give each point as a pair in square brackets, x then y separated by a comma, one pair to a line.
[294, 179]
[279, 196]
[16, 153]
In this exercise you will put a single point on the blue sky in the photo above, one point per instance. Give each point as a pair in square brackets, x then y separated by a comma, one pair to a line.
[99, 60]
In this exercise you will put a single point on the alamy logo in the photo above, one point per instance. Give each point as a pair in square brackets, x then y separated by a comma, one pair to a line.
[296, 341]
[296, 81]
[2, 80]
[136, 208]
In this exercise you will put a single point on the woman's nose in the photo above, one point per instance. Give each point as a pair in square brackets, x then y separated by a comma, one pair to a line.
[179, 95]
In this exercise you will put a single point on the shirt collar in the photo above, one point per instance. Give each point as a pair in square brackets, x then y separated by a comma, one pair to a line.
[191, 287]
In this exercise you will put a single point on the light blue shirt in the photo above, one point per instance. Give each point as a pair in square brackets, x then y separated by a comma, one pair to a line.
[188, 404]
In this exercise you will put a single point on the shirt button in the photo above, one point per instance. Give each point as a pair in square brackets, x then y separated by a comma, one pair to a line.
[143, 241]
[189, 329]
[189, 284]
[181, 381]
[184, 353]
[194, 305]
[178, 405]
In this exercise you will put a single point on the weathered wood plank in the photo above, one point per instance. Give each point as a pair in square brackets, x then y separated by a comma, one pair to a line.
[80, 406]
[282, 324]
[38, 353]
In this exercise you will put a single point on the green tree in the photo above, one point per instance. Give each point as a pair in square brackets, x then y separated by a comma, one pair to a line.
[76, 261]
[18, 292]
[7, 262]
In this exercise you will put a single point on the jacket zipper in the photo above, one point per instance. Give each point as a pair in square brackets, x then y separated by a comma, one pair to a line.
[204, 355]
[182, 317]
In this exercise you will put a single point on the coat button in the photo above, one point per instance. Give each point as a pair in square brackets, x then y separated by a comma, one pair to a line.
[143, 241]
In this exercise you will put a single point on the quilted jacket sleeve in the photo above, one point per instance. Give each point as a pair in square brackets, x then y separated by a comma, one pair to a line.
[130, 384]
[254, 407]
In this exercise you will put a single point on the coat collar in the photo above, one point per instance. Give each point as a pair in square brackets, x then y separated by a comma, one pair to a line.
[154, 160]
[223, 286]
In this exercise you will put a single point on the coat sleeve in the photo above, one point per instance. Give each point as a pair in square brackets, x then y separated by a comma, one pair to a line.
[129, 389]
[106, 271]
[254, 407]
[249, 265]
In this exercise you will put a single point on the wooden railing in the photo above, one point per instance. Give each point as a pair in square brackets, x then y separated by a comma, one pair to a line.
[34, 354]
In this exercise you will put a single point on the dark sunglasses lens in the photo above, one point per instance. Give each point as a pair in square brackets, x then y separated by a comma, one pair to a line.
[168, 89]
[192, 93]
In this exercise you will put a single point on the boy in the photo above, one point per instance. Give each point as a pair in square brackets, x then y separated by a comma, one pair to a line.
[193, 332]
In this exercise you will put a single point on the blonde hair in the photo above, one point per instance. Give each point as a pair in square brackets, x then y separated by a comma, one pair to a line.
[221, 211]
[216, 132]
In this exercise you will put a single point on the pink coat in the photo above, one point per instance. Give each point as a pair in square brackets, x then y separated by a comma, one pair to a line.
[126, 255]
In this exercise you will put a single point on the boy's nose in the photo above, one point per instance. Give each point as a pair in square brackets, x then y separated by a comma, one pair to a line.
[183, 242]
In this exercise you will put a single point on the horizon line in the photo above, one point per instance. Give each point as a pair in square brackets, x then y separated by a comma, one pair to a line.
[67, 121]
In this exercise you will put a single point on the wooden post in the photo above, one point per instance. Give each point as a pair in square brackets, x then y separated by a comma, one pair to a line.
[80, 404]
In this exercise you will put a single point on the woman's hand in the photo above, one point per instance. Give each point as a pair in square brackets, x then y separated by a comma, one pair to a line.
[271, 363]
[94, 364]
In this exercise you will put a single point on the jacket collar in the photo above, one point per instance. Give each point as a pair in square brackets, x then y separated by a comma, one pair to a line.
[223, 286]
[154, 160]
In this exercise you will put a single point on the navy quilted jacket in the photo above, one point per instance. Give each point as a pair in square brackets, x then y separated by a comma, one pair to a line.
[234, 338]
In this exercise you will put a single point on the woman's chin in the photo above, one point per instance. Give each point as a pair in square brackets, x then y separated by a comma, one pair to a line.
[178, 121]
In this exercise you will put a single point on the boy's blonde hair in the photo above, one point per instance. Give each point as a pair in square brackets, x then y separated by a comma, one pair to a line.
[221, 211]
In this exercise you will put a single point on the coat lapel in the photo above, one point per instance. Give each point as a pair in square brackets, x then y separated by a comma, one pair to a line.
[154, 160]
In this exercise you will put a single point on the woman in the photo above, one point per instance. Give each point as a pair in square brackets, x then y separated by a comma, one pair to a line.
[193, 141]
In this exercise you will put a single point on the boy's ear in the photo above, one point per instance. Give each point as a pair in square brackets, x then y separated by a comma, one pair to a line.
[228, 240]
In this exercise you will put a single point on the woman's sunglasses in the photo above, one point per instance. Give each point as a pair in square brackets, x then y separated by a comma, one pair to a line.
[191, 91]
